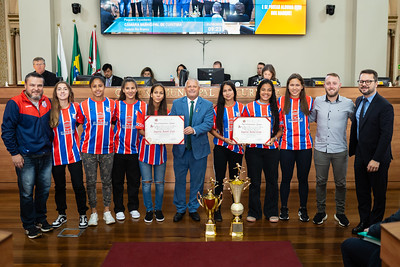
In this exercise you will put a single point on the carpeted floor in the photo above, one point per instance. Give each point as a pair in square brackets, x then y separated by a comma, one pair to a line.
[260, 253]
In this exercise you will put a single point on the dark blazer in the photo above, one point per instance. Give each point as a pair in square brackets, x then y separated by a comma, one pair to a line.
[253, 80]
[202, 123]
[116, 81]
[50, 79]
[375, 133]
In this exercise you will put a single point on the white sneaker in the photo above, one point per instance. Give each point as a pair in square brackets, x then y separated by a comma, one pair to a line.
[135, 214]
[120, 216]
[94, 218]
[59, 221]
[108, 217]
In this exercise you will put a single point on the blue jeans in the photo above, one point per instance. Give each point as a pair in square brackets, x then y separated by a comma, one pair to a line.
[183, 7]
[147, 4]
[168, 10]
[147, 178]
[34, 175]
[124, 6]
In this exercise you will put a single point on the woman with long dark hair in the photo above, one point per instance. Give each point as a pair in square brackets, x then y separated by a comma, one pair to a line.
[268, 72]
[226, 151]
[63, 119]
[97, 149]
[296, 143]
[153, 156]
[126, 141]
[264, 157]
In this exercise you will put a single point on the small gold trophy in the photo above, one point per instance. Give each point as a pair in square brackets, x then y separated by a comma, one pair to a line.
[210, 203]
[237, 186]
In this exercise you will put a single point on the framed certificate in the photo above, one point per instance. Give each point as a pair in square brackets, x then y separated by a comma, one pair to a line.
[164, 129]
[251, 130]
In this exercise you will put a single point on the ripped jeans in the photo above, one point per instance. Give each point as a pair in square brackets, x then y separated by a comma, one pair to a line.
[147, 179]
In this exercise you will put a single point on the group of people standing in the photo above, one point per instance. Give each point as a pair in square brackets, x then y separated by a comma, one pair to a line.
[43, 137]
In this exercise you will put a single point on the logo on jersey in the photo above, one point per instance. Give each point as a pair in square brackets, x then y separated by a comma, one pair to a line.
[100, 118]
[44, 104]
[67, 128]
[129, 122]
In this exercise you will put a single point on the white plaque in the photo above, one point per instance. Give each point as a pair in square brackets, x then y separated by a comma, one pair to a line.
[251, 130]
[164, 129]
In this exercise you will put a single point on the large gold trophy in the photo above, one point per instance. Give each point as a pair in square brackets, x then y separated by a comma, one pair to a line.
[210, 203]
[237, 186]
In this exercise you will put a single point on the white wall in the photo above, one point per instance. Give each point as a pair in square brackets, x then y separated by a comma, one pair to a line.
[353, 38]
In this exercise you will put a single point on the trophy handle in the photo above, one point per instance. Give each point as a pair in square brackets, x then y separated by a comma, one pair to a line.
[200, 199]
[220, 200]
[247, 185]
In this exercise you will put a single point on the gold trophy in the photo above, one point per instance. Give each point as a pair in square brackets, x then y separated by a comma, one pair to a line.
[210, 203]
[237, 186]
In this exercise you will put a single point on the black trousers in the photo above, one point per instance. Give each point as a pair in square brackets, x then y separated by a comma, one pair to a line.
[199, 6]
[76, 173]
[360, 253]
[208, 7]
[288, 158]
[158, 8]
[223, 156]
[367, 182]
[139, 8]
[126, 165]
[267, 160]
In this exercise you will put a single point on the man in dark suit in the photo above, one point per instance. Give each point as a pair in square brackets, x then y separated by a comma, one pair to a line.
[370, 139]
[191, 156]
[39, 64]
[111, 80]
[254, 80]
[218, 65]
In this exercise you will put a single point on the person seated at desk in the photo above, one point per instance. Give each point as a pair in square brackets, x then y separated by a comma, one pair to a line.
[254, 80]
[178, 73]
[216, 11]
[111, 80]
[239, 16]
[268, 72]
[358, 252]
[148, 72]
[218, 65]
[39, 64]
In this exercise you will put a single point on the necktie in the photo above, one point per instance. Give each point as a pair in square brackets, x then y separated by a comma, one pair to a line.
[188, 138]
[364, 102]
[108, 83]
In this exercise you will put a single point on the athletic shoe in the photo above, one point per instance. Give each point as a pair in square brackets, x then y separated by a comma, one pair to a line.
[45, 227]
[94, 218]
[135, 214]
[303, 216]
[251, 219]
[33, 232]
[149, 217]
[62, 218]
[159, 216]
[83, 223]
[108, 217]
[120, 216]
[320, 217]
[218, 216]
[342, 220]
[284, 215]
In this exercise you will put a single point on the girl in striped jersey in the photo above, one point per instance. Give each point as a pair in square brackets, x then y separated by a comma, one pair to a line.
[225, 149]
[264, 157]
[126, 149]
[153, 156]
[97, 146]
[296, 143]
[63, 119]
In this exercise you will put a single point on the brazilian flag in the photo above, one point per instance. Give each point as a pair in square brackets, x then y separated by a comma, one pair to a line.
[76, 64]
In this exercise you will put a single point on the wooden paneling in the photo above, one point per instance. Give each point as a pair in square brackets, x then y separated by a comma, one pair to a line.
[245, 95]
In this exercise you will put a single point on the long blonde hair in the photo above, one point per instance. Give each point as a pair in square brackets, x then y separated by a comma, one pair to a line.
[55, 104]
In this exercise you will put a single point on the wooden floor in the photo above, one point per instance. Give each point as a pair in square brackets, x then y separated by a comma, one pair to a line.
[314, 245]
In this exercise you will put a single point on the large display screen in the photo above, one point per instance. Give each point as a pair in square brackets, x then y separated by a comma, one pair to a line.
[203, 17]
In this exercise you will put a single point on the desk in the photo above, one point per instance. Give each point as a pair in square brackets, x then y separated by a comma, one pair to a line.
[390, 244]
[6, 248]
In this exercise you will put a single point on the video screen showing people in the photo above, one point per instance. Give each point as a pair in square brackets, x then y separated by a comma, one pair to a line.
[283, 17]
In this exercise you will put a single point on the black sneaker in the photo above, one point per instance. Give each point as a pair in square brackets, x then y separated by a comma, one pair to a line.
[83, 222]
[303, 216]
[320, 217]
[62, 218]
[218, 216]
[44, 227]
[284, 215]
[33, 232]
[342, 220]
[149, 217]
[159, 216]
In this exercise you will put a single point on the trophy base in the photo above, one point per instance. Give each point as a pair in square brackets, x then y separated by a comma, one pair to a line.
[236, 229]
[211, 229]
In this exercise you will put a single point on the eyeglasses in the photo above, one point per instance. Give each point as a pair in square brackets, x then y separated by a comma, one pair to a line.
[367, 82]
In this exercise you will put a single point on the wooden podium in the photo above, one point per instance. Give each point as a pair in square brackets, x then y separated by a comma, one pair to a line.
[6, 248]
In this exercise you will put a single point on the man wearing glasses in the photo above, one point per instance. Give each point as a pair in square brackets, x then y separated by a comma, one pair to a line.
[370, 139]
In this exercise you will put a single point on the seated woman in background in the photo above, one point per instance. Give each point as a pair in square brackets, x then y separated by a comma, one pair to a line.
[147, 72]
[268, 72]
[178, 72]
